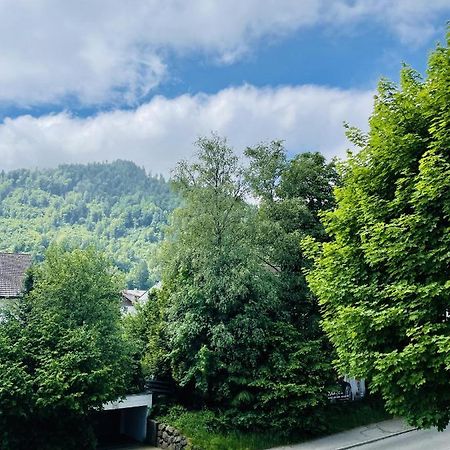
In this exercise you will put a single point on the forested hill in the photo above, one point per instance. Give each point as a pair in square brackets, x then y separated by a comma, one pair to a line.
[117, 206]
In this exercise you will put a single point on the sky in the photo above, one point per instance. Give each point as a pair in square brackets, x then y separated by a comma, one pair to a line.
[99, 80]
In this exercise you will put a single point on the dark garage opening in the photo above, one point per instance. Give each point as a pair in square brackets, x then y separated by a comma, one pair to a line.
[123, 421]
[107, 426]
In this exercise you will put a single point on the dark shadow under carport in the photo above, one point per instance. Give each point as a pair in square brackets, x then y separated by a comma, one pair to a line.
[124, 421]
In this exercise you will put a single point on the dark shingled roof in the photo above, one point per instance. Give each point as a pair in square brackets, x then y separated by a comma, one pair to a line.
[12, 273]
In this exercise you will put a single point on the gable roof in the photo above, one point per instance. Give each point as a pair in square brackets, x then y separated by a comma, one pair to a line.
[134, 295]
[13, 267]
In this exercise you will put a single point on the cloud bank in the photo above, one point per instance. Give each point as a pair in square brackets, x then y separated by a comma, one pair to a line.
[114, 51]
[163, 131]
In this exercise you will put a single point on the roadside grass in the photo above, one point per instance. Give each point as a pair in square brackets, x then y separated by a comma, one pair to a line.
[204, 434]
[345, 416]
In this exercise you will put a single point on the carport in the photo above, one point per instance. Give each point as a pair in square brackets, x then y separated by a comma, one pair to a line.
[124, 419]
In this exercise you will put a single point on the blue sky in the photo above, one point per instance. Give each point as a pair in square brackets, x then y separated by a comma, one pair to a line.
[314, 56]
[105, 79]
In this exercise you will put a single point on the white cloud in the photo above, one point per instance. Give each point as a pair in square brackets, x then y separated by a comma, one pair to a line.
[159, 133]
[413, 21]
[115, 51]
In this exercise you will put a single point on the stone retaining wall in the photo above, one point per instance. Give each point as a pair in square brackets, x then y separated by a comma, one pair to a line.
[170, 438]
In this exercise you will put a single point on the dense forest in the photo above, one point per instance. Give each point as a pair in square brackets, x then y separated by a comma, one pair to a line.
[116, 206]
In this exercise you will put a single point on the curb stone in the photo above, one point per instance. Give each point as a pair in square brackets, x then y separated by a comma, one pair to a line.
[370, 441]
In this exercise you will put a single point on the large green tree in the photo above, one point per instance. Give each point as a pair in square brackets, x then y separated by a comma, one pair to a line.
[383, 281]
[62, 353]
[219, 298]
[290, 194]
[228, 335]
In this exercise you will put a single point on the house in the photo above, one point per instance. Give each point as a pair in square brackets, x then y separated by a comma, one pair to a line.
[132, 297]
[13, 268]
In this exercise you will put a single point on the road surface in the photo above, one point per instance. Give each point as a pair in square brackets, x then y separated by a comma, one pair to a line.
[397, 436]
[415, 440]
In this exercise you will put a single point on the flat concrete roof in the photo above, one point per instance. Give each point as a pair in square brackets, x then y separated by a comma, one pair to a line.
[130, 401]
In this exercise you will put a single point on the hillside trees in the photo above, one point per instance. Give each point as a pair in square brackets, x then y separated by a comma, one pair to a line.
[230, 334]
[117, 207]
[62, 353]
[383, 280]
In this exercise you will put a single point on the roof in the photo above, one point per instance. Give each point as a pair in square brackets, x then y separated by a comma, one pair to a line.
[134, 295]
[13, 267]
[131, 298]
[130, 401]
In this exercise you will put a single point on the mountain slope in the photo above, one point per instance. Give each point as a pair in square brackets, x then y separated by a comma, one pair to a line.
[116, 206]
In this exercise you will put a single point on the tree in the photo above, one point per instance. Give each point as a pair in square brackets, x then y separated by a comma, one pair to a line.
[139, 276]
[383, 279]
[63, 353]
[146, 333]
[290, 194]
[218, 296]
[116, 206]
[227, 334]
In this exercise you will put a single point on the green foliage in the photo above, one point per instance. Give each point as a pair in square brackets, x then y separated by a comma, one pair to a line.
[115, 206]
[345, 416]
[63, 353]
[291, 193]
[234, 323]
[145, 332]
[219, 300]
[206, 430]
[383, 279]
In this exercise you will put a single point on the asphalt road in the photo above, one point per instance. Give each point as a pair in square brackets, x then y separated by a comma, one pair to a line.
[414, 440]
[395, 434]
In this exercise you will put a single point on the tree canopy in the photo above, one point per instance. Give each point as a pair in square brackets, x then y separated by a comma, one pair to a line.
[383, 280]
[219, 297]
[117, 207]
[62, 354]
[234, 330]
[290, 194]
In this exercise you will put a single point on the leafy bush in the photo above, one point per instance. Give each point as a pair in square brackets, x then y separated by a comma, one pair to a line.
[207, 429]
[62, 353]
[383, 280]
[341, 417]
